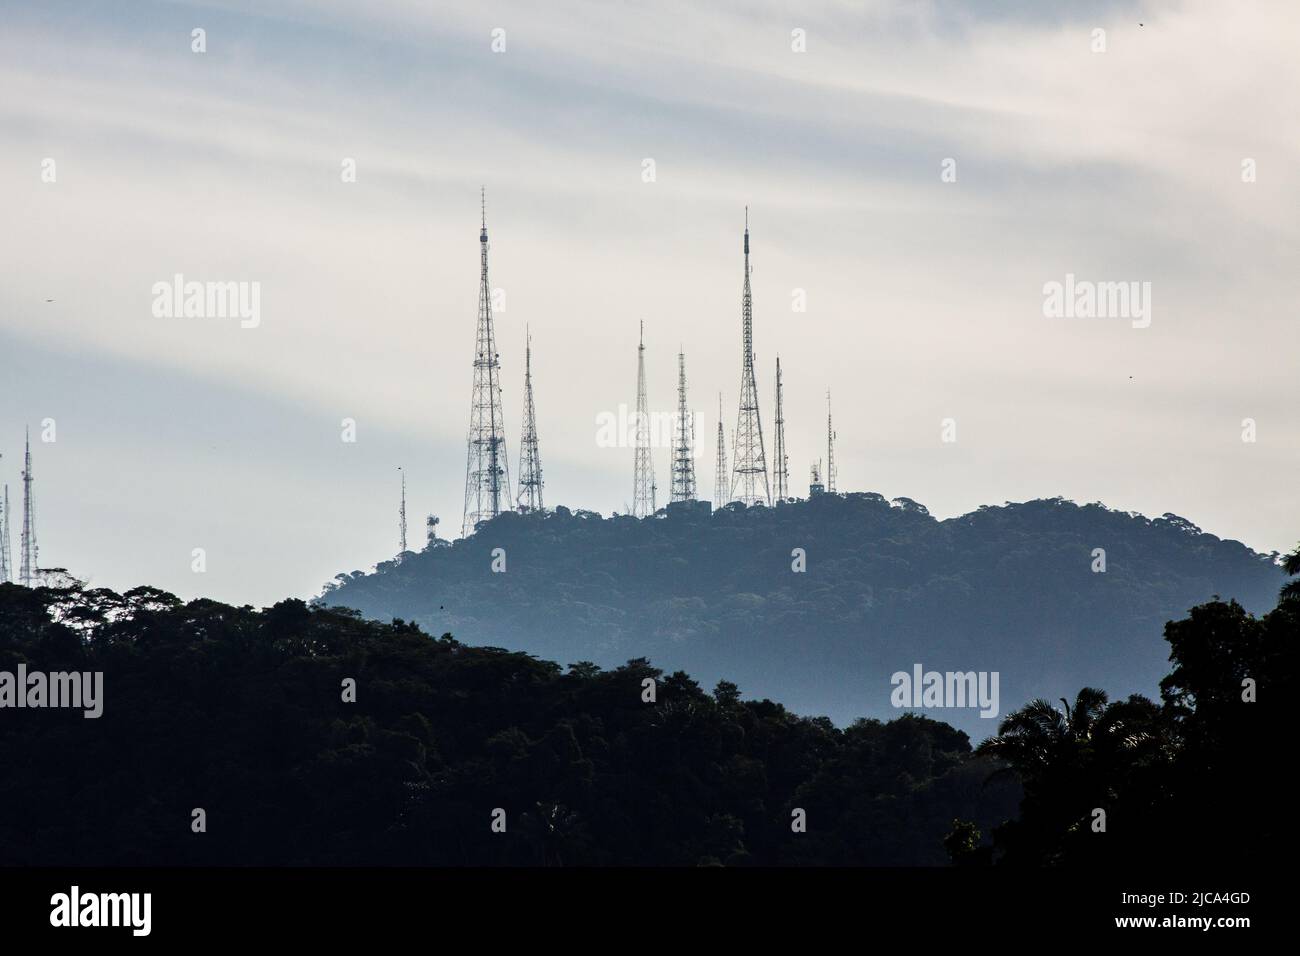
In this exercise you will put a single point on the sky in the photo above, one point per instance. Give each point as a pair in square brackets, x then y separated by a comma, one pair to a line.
[154, 436]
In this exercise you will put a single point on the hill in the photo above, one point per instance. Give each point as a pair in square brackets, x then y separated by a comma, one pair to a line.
[241, 713]
[301, 735]
[1008, 589]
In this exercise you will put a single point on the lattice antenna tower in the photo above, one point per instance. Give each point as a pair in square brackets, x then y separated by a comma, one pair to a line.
[749, 478]
[487, 474]
[683, 488]
[29, 568]
[401, 516]
[643, 477]
[530, 458]
[6, 560]
[780, 461]
[721, 486]
[830, 447]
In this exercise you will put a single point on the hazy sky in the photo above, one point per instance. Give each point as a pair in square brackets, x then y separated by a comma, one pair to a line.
[924, 298]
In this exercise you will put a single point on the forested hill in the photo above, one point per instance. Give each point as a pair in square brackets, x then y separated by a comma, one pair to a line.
[1010, 589]
[308, 737]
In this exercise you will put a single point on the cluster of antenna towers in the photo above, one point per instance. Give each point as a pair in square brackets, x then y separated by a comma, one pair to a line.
[487, 468]
[28, 568]
[747, 479]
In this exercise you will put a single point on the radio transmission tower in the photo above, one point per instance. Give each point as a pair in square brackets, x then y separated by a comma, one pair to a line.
[643, 479]
[720, 483]
[749, 481]
[487, 476]
[401, 516]
[530, 459]
[781, 461]
[830, 447]
[684, 456]
[28, 569]
[6, 566]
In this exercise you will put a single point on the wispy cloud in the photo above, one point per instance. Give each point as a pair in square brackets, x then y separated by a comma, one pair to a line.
[924, 297]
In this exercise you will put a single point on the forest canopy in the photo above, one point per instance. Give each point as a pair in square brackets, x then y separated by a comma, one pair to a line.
[1050, 594]
[308, 735]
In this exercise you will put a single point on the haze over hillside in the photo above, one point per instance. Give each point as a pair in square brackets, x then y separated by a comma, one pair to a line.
[1007, 589]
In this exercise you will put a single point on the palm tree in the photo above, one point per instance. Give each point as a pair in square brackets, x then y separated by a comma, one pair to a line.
[1071, 760]
[1038, 738]
[1039, 741]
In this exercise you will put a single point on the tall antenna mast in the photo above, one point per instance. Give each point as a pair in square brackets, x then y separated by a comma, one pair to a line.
[684, 457]
[720, 483]
[830, 447]
[6, 565]
[643, 478]
[487, 474]
[749, 481]
[780, 462]
[28, 570]
[401, 516]
[530, 459]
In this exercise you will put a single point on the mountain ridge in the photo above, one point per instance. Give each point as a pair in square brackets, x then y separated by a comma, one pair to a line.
[1009, 589]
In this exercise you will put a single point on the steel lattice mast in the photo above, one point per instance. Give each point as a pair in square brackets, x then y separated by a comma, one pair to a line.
[780, 461]
[684, 454]
[530, 459]
[643, 478]
[830, 447]
[27, 572]
[720, 483]
[749, 477]
[401, 516]
[6, 565]
[487, 475]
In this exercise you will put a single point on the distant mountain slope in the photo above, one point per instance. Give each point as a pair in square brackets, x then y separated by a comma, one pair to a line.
[1009, 589]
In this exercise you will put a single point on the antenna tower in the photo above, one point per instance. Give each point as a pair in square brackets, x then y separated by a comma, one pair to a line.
[684, 459]
[6, 561]
[530, 459]
[830, 447]
[720, 496]
[781, 461]
[487, 475]
[28, 570]
[643, 479]
[749, 481]
[401, 516]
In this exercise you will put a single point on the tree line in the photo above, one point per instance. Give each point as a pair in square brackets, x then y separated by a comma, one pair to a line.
[311, 736]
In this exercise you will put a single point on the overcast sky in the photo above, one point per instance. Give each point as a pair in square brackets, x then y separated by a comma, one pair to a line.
[924, 297]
